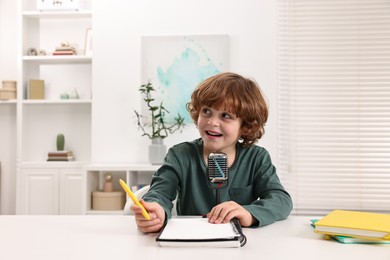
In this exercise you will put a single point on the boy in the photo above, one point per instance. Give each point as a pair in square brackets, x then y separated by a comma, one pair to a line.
[230, 113]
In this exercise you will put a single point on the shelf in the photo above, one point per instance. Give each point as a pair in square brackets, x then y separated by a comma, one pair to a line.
[57, 14]
[121, 167]
[40, 165]
[57, 102]
[51, 59]
[132, 174]
[7, 102]
[104, 212]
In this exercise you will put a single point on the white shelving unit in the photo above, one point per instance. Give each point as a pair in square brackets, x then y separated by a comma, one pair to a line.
[93, 180]
[44, 187]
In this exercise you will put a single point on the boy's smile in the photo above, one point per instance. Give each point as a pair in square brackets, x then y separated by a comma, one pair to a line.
[212, 133]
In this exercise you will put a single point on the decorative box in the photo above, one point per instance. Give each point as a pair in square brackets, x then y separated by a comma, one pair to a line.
[6, 94]
[8, 91]
[60, 5]
[114, 200]
[9, 85]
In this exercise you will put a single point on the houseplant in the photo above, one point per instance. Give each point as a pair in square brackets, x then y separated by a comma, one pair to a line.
[155, 126]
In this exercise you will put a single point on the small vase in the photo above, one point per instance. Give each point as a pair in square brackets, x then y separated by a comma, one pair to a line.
[157, 151]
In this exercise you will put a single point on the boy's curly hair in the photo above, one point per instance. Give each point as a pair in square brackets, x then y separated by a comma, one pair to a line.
[235, 94]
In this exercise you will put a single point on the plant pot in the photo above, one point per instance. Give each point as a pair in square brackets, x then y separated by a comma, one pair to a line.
[157, 151]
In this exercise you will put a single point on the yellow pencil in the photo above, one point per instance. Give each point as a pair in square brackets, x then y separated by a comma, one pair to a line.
[134, 198]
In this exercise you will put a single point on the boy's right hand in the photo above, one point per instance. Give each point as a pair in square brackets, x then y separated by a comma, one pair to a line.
[156, 213]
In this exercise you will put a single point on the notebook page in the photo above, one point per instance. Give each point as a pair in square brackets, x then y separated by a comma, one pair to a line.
[196, 228]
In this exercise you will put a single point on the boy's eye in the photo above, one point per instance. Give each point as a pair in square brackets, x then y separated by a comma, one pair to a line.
[206, 111]
[226, 115]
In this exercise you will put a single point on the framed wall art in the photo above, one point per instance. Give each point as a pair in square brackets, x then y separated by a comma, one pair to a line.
[177, 64]
[88, 42]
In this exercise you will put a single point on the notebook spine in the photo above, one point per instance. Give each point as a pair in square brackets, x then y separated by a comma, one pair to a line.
[238, 229]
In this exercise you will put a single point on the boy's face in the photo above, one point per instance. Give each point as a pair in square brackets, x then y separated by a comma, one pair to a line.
[219, 129]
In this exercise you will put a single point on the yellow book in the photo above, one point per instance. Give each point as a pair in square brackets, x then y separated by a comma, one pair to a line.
[358, 224]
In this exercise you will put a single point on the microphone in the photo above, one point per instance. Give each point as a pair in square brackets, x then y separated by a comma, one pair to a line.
[217, 171]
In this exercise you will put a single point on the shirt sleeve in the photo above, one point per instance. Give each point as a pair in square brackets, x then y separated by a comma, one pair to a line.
[273, 202]
[164, 185]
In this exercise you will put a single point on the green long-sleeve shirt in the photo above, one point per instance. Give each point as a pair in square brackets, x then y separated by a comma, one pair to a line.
[253, 183]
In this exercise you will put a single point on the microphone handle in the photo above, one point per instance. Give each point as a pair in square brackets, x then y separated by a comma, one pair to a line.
[218, 193]
[217, 196]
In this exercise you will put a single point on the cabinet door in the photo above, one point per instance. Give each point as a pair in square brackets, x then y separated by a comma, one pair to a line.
[39, 191]
[70, 192]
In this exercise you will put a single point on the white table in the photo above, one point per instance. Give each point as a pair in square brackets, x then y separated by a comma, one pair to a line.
[116, 237]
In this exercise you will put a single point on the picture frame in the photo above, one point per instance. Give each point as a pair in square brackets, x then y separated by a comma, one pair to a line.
[176, 64]
[88, 42]
[58, 5]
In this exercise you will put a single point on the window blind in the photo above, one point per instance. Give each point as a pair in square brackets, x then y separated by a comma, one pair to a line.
[334, 104]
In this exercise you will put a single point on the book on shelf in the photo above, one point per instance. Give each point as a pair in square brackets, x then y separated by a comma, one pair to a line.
[36, 89]
[59, 158]
[64, 53]
[358, 224]
[198, 232]
[65, 50]
[61, 153]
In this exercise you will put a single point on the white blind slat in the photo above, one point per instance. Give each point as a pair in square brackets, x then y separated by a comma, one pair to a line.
[334, 104]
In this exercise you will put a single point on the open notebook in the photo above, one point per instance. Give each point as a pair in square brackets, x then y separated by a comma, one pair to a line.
[196, 231]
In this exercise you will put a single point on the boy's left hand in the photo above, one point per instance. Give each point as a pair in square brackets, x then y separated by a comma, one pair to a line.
[226, 211]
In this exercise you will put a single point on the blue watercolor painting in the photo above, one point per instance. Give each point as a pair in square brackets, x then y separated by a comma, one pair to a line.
[177, 64]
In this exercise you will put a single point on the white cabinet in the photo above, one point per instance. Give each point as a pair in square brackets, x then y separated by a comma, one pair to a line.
[70, 191]
[52, 187]
[93, 180]
[50, 190]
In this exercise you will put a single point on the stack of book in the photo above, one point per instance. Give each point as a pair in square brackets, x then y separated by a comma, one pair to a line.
[65, 50]
[355, 227]
[60, 156]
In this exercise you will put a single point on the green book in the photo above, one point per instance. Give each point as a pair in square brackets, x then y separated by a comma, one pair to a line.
[354, 240]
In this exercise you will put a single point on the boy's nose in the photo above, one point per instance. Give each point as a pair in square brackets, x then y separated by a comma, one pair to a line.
[214, 121]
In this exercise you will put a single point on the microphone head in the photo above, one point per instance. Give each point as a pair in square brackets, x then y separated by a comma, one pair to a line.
[217, 170]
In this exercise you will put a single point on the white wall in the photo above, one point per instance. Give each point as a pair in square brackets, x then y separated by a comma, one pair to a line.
[8, 36]
[8, 71]
[118, 27]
